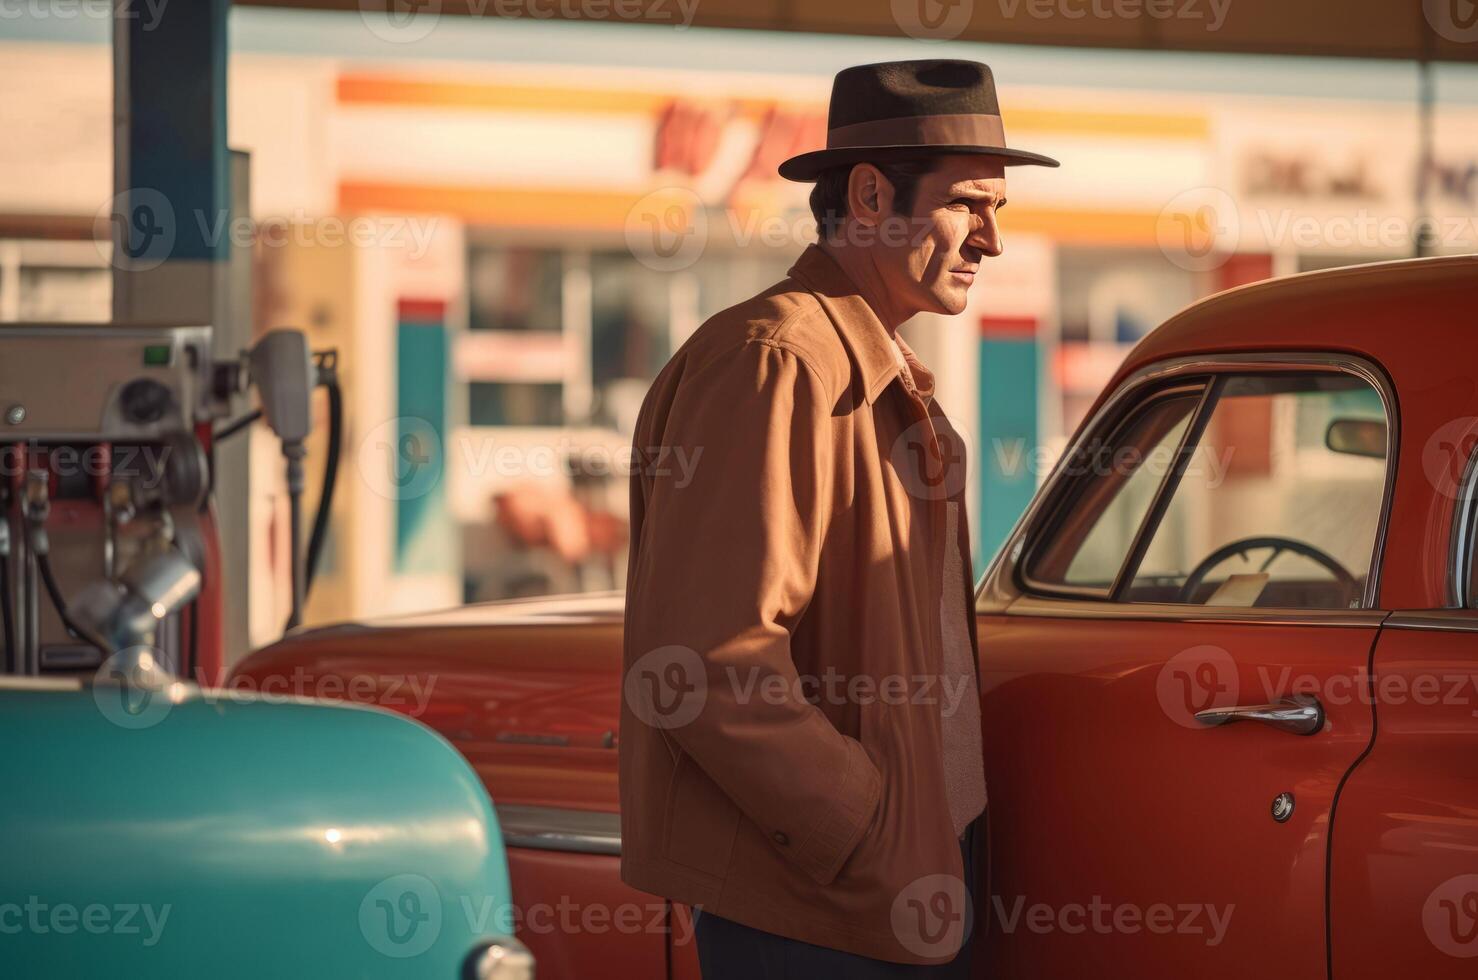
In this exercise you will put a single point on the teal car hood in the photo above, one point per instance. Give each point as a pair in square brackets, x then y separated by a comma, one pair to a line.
[209, 834]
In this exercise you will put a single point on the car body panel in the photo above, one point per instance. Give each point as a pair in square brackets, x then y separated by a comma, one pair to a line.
[1150, 813]
[260, 834]
[1404, 878]
[528, 691]
[535, 713]
[1384, 323]
[579, 919]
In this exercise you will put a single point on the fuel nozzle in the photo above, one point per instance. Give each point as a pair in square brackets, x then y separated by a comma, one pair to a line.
[285, 371]
[282, 371]
[126, 612]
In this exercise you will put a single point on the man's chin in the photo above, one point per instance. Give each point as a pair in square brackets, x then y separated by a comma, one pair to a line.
[951, 303]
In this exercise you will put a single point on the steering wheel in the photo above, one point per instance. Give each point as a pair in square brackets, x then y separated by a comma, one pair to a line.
[1342, 576]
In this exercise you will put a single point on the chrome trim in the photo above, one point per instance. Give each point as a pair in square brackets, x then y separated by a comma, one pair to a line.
[1155, 516]
[15, 682]
[549, 828]
[1460, 549]
[1047, 607]
[1451, 620]
[998, 590]
[505, 958]
[1297, 715]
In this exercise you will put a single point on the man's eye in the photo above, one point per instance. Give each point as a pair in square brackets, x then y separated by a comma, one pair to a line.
[963, 202]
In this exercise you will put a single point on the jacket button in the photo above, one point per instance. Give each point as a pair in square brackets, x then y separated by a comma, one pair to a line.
[780, 838]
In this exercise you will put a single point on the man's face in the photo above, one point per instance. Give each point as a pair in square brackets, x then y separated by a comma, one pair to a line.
[952, 229]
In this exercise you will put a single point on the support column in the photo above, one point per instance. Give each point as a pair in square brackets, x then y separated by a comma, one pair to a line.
[171, 168]
[177, 189]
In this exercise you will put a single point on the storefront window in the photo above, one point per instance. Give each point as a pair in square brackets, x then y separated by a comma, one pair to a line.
[630, 326]
[512, 288]
[513, 403]
[513, 357]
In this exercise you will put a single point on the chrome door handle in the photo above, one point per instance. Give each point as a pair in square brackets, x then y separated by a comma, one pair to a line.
[1300, 714]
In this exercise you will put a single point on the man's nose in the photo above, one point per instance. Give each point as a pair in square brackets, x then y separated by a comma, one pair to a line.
[987, 237]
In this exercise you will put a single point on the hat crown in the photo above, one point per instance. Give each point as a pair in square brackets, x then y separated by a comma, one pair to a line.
[902, 110]
[893, 89]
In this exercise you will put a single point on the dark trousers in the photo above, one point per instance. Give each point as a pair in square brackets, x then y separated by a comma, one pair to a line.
[730, 951]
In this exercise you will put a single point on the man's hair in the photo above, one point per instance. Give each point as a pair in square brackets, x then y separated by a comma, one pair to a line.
[829, 196]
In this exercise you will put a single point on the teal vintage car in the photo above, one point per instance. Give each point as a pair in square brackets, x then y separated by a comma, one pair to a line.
[154, 829]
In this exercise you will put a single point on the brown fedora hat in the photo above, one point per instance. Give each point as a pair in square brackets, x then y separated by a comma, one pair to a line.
[905, 109]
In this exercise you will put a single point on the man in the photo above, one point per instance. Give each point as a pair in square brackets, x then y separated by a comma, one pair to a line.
[800, 734]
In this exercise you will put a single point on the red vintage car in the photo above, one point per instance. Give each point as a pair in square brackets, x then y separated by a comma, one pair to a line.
[1229, 668]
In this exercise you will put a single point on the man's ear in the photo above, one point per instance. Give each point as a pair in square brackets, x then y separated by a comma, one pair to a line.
[869, 195]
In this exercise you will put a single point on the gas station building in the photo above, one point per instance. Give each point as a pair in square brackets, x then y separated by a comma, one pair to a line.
[506, 227]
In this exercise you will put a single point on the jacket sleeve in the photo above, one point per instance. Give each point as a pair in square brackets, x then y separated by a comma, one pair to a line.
[729, 550]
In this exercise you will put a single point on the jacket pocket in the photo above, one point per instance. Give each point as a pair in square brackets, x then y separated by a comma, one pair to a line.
[701, 821]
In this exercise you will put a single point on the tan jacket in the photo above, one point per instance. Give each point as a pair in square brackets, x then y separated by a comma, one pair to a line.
[780, 736]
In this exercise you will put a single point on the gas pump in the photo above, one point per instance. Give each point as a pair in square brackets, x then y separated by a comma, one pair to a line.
[108, 533]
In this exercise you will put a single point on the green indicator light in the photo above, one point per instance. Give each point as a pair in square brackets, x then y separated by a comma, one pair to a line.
[157, 355]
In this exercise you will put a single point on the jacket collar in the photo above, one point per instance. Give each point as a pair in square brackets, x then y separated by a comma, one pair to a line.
[862, 332]
[920, 378]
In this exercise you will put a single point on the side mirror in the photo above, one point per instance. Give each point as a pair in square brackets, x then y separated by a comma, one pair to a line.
[1357, 437]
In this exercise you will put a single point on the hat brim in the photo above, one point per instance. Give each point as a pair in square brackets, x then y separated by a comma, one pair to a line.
[808, 166]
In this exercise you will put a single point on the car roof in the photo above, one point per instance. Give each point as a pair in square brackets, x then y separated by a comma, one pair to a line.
[1383, 311]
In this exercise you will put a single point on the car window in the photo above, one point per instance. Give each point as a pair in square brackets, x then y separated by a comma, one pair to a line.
[1279, 504]
[1274, 500]
[1117, 479]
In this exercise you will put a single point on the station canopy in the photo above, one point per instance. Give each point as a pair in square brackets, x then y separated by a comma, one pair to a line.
[1437, 30]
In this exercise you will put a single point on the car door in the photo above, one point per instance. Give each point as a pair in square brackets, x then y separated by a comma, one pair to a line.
[1201, 559]
[1403, 879]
